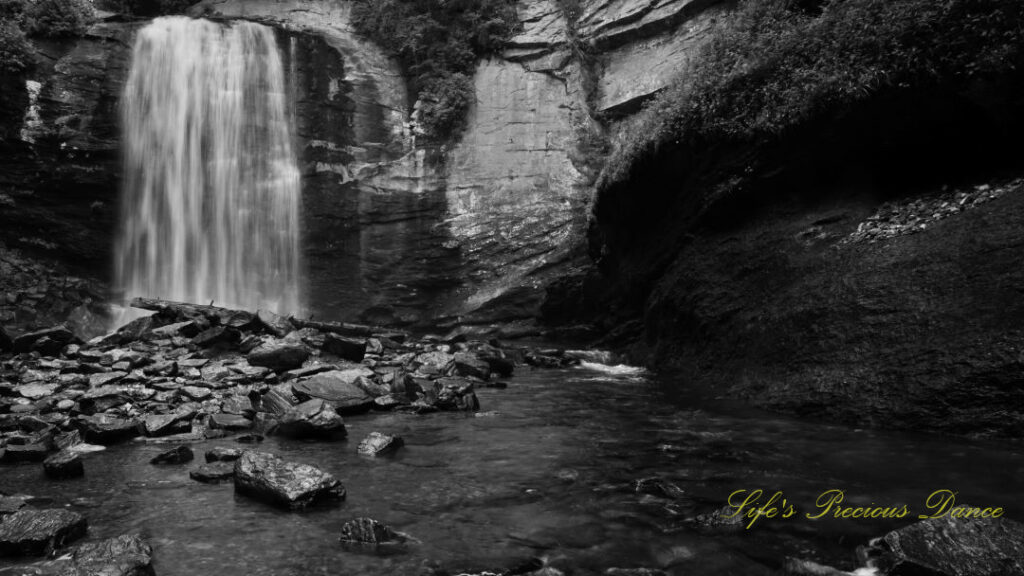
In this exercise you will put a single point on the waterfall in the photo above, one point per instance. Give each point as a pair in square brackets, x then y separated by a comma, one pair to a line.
[210, 206]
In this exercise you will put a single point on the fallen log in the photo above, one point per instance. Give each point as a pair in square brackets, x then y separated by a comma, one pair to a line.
[341, 328]
[182, 311]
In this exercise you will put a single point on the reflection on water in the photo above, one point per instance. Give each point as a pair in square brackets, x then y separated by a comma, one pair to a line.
[548, 471]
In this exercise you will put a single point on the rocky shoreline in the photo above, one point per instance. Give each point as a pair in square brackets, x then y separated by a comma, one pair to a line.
[191, 373]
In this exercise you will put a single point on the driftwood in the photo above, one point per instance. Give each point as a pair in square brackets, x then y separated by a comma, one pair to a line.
[341, 328]
[243, 319]
[181, 311]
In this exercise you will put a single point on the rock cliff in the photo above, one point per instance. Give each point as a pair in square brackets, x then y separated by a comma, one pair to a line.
[395, 231]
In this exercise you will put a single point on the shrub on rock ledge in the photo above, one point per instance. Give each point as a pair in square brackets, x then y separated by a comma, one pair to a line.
[57, 18]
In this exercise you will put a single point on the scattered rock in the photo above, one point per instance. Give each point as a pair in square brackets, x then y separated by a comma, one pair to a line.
[266, 477]
[156, 425]
[213, 473]
[352, 349]
[126, 555]
[277, 325]
[223, 454]
[61, 334]
[337, 387]
[467, 364]
[37, 532]
[64, 464]
[106, 429]
[178, 455]
[311, 419]
[217, 335]
[230, 422]
[279, 357]
[378, 444]
[952, 546]
[798, 567]
[369, 531]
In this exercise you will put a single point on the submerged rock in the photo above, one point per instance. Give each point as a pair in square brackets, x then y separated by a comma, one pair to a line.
[213, 472]
[369, 531]
[64, 464]
[378, 444]
[126, 555]
[311, 419]
[178, 455]
[37, 532]
[266, 477]
[223, 454]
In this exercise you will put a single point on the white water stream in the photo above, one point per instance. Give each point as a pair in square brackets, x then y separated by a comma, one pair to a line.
[210, 208]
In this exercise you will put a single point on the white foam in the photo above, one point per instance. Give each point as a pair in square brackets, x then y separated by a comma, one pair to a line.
[614, 370]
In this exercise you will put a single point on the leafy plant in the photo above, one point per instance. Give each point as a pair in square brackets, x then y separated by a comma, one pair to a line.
[773, 65]
[56, 18]
[15, 50]
[439, 43]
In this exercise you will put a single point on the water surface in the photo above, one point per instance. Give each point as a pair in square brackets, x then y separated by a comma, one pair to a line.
[549, 470]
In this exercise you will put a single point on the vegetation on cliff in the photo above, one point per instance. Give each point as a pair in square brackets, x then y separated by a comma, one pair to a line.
[775, 65]
[47, 18]
[439, 43]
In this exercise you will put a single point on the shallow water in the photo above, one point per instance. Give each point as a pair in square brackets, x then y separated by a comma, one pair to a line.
[548, 470]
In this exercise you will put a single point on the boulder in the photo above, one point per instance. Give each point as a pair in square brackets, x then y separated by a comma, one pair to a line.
[369, 531]
[217, 335]
[178, 455]
[223, 454]
[230, 422]
[275, 324]
[64, 464]
[213, 473]
[352, 349]
[440, 363]
[106, 429]
[37, 532]
[952, 546]
[378, 444]
[6, 343]
[311, 419]
[455, 394]
[278, 356]
[339, 388]
[125, 555]
[266, 477]
[156, 425]
[469, 364]
[29, 452]
[61, 334]
[278, 399]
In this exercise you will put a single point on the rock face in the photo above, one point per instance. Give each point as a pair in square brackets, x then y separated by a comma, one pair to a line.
[396, 231]
[266, 477]
[36, 532]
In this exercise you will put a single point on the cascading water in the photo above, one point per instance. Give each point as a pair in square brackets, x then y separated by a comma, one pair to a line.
[210, 207]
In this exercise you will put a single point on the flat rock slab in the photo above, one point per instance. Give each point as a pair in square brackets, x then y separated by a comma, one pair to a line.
[213, 473]
[266, 477]
[279, 357]
[230, 422]
[105, 429]
[63, 465]
[178, 455]
[37, 532]
[339, 388]
[956, 547]
[222, 454]
[126, 555]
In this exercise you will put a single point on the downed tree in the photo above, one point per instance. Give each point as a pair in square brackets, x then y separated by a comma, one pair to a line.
[242, 319]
